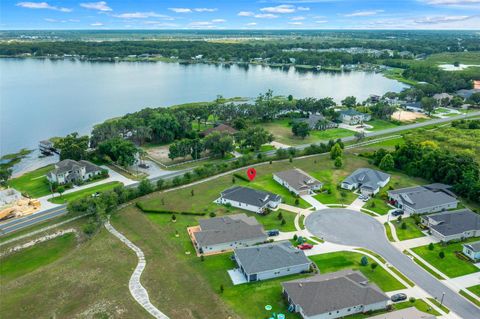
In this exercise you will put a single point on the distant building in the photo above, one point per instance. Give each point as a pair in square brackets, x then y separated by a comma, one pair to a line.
[452, 225]
[430, 198]
[353, 117]
[333, 295]
[271, 260]
[407, 313]
[368, 180]
[297, 181]
[222, 128]
[472, 250]
[318, 122]
[70, 171]
[466, 94]
[442, 96]
[226, 233]
[249, 199]
[46, 147]
[9, 196]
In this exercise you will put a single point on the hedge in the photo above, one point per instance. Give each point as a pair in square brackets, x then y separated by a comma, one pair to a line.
[242, 177]
[162, 211]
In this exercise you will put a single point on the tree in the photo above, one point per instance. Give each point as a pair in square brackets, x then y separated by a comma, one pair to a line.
[336, 151]
[364, 261]
[431, 246]
[373, 266]
[253, 137]
[118, 150]
[404, 226]
[280, 216]
[160, 183]
[349, 101]
[300, 129]
[60, 190]
[72, 146]
[5, 174]
[428, 104]
[360, 135]
[387, 163]
[338, 162]
[165, 127]
[221, 289]
[441, 254]
[240, 123]
[145, 187]
[192, 192]
[283, 222]
[219, 144]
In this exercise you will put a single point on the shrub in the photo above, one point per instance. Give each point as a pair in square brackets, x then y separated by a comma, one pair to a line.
[141, 206]
[364, 261]
[212, 214]
[441, 255]
[242, 177]
[431, 246]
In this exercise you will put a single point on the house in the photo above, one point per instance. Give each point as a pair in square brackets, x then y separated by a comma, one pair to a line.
[249, 199]
[318, 122]
[297, 181]
[222, 128]
[69, 171]
[46, 147]
[9, 196]
[430, 198]
[353, 117]
[453, 225]
[368, 180]
[414, 107]
[333, 295]
[407, 313]
[440, 97]
[271, 260]
[472, 250]
[466, 94]
[226, 233]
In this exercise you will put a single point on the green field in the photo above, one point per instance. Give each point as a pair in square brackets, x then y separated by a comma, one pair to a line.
[475, 289]
[450, 58]
[412, 230]
[349, 260]
[33, 183]
[380, 125]
[84, 192]
[451, 265]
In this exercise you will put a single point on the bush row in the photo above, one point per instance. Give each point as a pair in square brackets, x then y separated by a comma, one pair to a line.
[141, 206]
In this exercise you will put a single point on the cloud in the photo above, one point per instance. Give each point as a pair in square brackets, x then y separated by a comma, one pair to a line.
[180, 10]
[61, 21]
[251, 24]
[454, 3]
[284, 8]
[100, 6]
[205, 9]
[295, 23]
[265, 16]
[441, 19]
[364, 13]
[246, 14]
[42, 5]
[140, 15]
[96, 24]
[321, 21]
[219, 20]
[303, 8]
[209, 24]
[299, 18]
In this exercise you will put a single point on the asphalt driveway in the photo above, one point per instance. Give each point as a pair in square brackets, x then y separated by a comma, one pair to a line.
[348, 227]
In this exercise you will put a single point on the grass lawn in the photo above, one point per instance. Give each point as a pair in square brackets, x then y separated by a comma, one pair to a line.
[271, 221]
[378, 205]
[475, 289]
[412, 230]
[450, 265]
[33, 183]
[30, 259]
[381, 125]
[388, 231]
[350, 260]
[84, 192]
[475, 301]
[419, 304]
[437, 303]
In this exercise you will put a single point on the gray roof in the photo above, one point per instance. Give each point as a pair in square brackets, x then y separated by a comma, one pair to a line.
[270, 257]
[250, 196]
[419, 197]
[475, 246]
[351, 112]
[455, 222]
[228, 229]
[89, 166]
[467, 93]
[367, 177]
[313, 120]
[69, 165]
[298, 179]
[330, 292]
[407, 313]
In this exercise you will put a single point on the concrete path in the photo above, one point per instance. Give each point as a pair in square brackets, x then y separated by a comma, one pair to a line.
[357, 204]
[312, 201]
[416, 242]
[138, 292]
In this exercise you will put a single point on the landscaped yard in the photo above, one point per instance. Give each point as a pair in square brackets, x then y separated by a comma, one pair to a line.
[271, 221]
[378, 205]
[412, 230]
[381, 125]
[33, 183]
[350, 260]
[84, 192]
[451, 265]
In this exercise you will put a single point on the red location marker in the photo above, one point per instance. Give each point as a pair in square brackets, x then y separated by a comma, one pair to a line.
[251, 173]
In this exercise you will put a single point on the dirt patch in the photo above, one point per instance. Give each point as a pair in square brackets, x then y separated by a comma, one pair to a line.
[159, 153]
[407, 116]
[278, 145]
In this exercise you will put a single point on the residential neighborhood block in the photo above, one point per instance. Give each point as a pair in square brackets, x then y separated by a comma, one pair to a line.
[249, 199]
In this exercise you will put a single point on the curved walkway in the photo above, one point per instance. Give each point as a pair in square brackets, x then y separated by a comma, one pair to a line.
[138, 292]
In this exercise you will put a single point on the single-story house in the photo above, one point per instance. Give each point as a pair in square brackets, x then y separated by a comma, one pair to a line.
[430, 198]
[297, 181]
[222, 128]
[407, 313]
[249, 199]
[353, 117]
[68, 170]
[318, 122]
[414, 107]
[333, 295]
[472, 250]
[227, 233]
[466, 94]
[368, 180]
[271, 260]
[452, 225]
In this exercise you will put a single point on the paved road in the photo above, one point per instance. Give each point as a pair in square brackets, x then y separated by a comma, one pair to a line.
[348, 227]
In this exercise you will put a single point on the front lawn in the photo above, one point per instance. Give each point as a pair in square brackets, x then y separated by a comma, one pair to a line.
[451, 265]
[411, 231]
[33, 183]
[271, 221]
[475, 289]
[350, 260]
[418, 303]
[84, 192]
[377, 205]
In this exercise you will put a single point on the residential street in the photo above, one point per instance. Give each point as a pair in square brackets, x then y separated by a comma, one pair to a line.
[349, 227]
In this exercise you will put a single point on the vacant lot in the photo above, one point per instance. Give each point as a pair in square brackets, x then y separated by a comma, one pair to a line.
[451, 265]
[33, 183]
[84, 192]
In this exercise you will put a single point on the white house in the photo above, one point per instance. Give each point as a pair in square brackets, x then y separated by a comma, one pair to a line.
[368, 180]
[249, 199]
[353, 117]
[297, 181]
[68, 170]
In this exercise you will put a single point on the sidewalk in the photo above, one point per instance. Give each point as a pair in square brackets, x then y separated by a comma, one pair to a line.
[312, 201]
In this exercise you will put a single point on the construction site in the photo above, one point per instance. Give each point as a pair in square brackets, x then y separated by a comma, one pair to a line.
[14, 204]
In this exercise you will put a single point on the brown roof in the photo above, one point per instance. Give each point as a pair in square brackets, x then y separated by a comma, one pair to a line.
[223, 128]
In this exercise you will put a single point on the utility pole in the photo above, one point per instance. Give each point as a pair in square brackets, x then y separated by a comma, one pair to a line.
[441, 301]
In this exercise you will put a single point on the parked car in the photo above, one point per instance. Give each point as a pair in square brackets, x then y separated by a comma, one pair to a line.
[397, 212]
[273, 232]
[399, 297]
[366, 198]
[305, 246]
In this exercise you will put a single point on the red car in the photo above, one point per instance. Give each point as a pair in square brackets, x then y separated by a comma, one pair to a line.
[305, 246]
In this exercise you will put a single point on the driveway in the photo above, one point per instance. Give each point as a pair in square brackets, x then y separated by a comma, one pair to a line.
[349, 227]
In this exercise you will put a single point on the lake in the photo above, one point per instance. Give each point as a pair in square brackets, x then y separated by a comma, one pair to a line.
[44, 98]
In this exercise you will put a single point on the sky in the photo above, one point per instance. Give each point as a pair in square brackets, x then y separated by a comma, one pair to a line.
[240, 14]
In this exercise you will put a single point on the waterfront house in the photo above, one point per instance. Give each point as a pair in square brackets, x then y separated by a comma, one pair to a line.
[70, 171]
[353, 117]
